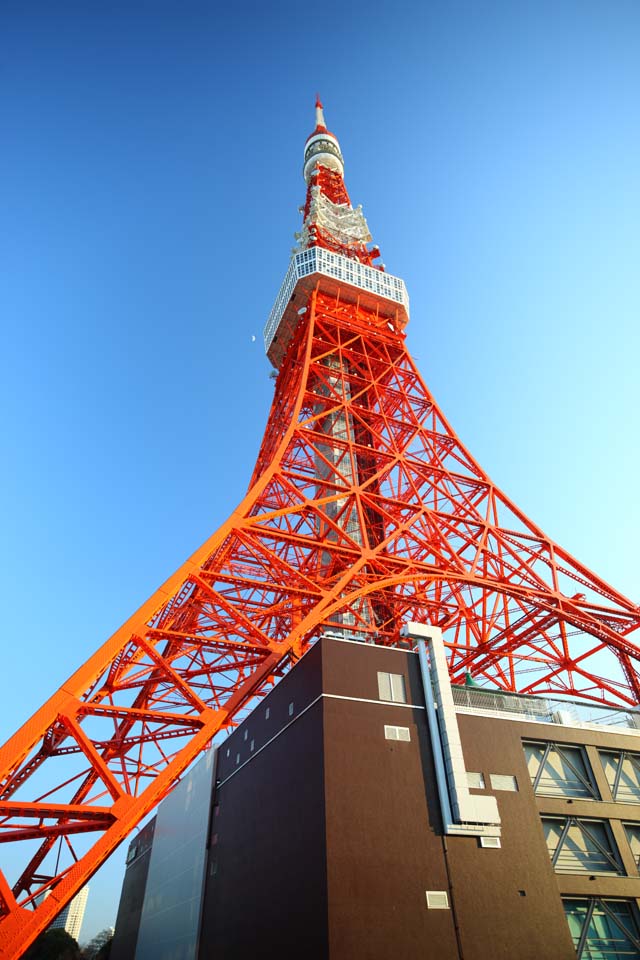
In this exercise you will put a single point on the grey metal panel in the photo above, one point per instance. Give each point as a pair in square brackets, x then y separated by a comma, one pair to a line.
[170, 918]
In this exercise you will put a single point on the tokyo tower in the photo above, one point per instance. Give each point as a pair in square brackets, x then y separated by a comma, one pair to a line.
[364, 512]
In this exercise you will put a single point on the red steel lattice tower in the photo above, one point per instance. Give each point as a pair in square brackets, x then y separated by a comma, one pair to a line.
[364, 511]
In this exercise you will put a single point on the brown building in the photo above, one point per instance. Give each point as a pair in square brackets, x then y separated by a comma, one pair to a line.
[328, 833]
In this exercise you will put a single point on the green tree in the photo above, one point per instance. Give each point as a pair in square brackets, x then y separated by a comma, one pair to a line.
[105, 950]
[99, 948]
[53, 945]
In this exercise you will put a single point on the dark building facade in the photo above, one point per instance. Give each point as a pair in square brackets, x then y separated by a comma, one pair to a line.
[125, 937]
[323, 831]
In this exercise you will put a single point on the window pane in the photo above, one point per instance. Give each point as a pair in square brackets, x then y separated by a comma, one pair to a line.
[397, 733]
[564, 771]
[475, 781]
[582, 846]
[623, 774]
[503, 781]
[534, 753]
[552, 833]
[576, 913]
[588, 848]
[608, 935]
[633, 836]
[629, 781]
[398, 693]
[391, 687]
[611, 932]
[384, 686]
[610, 763]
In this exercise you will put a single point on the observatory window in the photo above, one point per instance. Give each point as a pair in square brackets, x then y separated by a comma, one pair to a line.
[622, 771]
[391, 687]
[606, 929]
[557, 770]
[581, 846]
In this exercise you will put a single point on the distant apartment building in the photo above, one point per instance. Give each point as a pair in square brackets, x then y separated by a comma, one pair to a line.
[70, 919]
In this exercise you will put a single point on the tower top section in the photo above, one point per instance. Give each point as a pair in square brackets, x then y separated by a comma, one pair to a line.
[333, 251]
[322, 148]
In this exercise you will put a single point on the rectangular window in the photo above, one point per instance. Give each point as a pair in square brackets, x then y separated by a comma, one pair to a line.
[559, 770]
[603, 929]
[503, 781]
[391, 687]
[622, 771]
[633, 836]
[397, 733]
[475, 781]
[581, 846]
[437, 899]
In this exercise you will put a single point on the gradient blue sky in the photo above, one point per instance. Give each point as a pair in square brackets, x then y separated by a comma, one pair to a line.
[150, 176]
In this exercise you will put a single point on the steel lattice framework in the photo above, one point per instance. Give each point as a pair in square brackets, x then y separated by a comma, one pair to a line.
[364, 511]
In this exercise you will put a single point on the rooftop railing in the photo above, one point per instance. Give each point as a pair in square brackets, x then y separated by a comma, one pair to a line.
[543, 709]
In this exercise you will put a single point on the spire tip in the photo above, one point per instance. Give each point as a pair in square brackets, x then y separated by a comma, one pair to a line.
[320, 124]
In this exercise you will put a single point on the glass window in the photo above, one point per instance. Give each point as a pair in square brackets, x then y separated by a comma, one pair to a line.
[503, 781]
[603, 929]
[391, 687]
[622, 770]
[559, 770]
[580, 846]
[397, 733]
[633, 836]
[475, 781]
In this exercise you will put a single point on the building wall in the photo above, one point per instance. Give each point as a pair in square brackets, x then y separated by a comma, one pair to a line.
[325, 835]
[70, 919]
[383, 819]
[266, 883]
[134, 885]
[170, 919]
[495, 745]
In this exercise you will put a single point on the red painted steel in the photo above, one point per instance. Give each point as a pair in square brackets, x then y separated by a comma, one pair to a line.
[364, 511]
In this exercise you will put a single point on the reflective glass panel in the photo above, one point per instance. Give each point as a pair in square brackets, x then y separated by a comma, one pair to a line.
[580, 846]
[603, 929]
[623, 774]
[557, 770]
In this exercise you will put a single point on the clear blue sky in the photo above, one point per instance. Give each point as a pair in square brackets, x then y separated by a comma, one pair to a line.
[150, 174]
